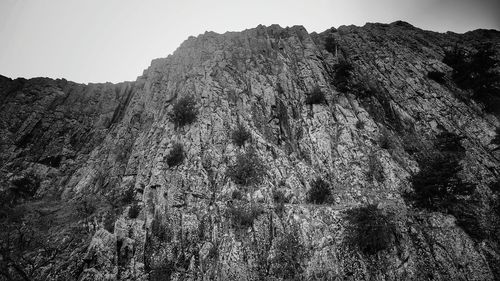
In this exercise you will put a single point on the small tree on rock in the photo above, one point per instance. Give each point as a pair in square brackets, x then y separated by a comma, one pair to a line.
[371, 230]
[320, 192]
[248, 169]
[176, 155]
[240, 135]
[184, 111]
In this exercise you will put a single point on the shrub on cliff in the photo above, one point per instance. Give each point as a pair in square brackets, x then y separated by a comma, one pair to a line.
[134, 210]
[248, 169]
[477, 72]
[343, 72]
[360, 125]
[370, 230]
[243, 215]
[316, 96]
[320, 192]
[330, 44]
[176, 155]
[240, 135]
[437, 184]
[184, 111]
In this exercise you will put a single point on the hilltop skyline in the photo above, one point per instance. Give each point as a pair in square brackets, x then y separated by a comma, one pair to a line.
[115, 41]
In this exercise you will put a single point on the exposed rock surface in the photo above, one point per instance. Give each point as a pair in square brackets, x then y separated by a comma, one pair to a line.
[98, 140]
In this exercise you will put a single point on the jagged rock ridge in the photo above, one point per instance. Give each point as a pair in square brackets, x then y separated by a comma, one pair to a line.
[98, 143]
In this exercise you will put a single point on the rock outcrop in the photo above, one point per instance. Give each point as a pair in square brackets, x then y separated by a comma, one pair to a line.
[106, 145]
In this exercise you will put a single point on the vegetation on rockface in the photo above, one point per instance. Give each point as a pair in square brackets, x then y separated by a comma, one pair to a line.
[320, 192]
[176, 155]
[436, 76]
[437, 184]
[134, 211]
[248, 168]
[128, 196]
[360, 125]
[236, 195]
[439, 187]
[316, 96]
[343, 72]
[184, 111]
[476, 72]
[244, 214]
[330, 44]
[240, 135]
[289, 253]
[371, 230]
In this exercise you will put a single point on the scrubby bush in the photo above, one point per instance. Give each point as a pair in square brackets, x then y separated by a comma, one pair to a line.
[343, 72]
[128, 196]
[176, 155]
[316, 96]
[360, 125]
[237, 195]
[330, 44]
[436, 76]
[240, 135]
[289, 251]
[320, 192]
[370, 229]
[437, 184]
[248, 169]
[134, 211]
[243, 215]
[184, 111]
[476, 72]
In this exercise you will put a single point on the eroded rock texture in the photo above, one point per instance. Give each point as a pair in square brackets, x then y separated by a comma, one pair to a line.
[99, 150]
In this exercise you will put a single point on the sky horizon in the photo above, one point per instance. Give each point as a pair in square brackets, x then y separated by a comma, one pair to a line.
[96, 41]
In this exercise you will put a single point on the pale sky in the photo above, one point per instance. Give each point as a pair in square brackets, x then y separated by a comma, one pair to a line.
[115, 40]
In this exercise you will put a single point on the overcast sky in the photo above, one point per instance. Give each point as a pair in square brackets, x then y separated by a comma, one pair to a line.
[115, 40]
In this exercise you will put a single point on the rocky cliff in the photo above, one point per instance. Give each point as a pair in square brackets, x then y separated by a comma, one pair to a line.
[93, 194]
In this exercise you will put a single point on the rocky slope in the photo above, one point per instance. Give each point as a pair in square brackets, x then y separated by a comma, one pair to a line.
[96, 151]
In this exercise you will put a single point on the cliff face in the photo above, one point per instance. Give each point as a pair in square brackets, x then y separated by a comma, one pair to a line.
[106, 145]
